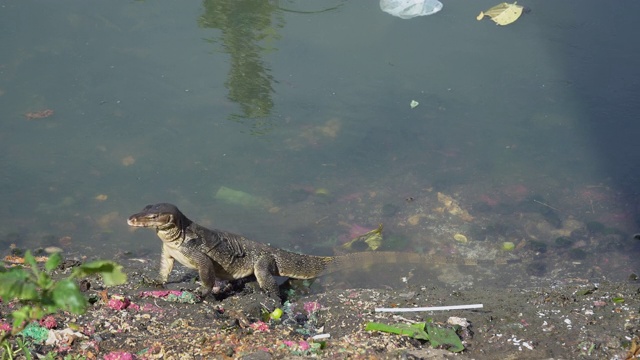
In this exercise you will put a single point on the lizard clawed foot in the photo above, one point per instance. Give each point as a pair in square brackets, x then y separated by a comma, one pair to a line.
[157, 283]
[203, 292]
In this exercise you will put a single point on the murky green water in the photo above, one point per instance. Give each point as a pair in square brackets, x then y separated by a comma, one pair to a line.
[529, 128]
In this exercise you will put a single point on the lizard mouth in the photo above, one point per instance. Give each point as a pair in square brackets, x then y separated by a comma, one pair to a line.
[136, 222]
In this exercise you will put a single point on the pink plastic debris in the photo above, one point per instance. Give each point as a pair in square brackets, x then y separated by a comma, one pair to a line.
[260, 326]
[49, 322]
[119, 355]
[151, 308]
[312, 306]
[356, 230]
[304, 346]
[599, 303]
[5, 326]
[117, 304]
[160, 293]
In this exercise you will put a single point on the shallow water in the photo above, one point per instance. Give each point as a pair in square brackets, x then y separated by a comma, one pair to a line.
[529, 128]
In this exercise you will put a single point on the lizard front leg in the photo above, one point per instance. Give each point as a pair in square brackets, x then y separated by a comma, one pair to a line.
[264, 268]
[206, 269]
[166, 265]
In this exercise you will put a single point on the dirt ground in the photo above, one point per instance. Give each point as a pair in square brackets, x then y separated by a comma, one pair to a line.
[575, 318]
[566, 288]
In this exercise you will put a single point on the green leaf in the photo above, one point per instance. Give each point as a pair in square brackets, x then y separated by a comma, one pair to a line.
[618, 300]
[116, 277]
[416, 331]
[53, 262]
[586, 291]
[66, 295]
[445, 337]
[111, 272]
[30, 260]
[21, 316]
[44, 280]
[16, 284]
[438, 337]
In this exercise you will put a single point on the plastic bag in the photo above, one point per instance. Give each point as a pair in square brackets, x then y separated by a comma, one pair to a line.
[407, 9]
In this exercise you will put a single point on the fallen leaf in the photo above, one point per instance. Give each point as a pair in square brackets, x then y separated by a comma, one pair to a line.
[38, 114]
[107, 220]
[453, 208]
[128, 160]
[502, 14]
[13, 259]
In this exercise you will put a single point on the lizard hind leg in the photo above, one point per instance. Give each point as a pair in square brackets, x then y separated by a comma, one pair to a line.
[263, 269]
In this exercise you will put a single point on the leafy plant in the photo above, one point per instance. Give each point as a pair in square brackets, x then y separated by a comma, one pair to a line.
[40, 295]
[438, 337]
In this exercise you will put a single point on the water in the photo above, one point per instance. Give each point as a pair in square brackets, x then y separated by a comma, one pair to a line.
[527, 127]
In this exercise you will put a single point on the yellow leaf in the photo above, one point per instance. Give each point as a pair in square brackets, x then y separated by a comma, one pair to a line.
[503, 14]
[373, 239]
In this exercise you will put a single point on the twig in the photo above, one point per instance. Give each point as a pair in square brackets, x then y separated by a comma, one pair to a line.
[321, 219]
[432, 308]
[547, 205]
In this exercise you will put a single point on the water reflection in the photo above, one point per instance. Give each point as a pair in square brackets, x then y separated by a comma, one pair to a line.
[249, 30]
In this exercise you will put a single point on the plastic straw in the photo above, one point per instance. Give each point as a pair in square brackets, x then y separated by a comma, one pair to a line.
[432, 308]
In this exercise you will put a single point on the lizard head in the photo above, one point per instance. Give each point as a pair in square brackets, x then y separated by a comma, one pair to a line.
[159, 216]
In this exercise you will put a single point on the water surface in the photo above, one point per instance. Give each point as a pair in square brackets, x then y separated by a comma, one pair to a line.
[530, 128]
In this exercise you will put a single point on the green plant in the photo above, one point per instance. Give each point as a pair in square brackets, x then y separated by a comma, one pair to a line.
[437, 336]
[39, 294]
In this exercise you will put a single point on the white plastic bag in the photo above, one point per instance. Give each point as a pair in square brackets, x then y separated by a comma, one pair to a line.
[407, 9]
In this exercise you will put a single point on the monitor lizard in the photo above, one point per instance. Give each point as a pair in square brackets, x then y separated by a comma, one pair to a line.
[218, 254]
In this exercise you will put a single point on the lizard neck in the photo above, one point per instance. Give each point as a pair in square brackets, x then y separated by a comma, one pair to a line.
[174, 231]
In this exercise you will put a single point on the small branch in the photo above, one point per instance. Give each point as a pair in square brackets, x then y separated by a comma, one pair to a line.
[547, 205]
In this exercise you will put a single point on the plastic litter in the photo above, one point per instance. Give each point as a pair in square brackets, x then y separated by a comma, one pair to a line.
[237, 197]
[36, 332]
[407, 9]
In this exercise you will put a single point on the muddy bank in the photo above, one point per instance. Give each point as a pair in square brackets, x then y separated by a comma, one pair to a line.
[576, 318]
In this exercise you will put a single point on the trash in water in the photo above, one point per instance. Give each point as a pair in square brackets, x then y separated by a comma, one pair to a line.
[237, 197]
[407, 9]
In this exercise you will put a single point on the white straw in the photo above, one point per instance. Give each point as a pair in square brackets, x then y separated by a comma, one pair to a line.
[433, 308]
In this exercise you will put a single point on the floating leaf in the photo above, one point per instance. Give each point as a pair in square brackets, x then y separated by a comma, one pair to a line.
[373, 239]
[503, 14]
[461, 238]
